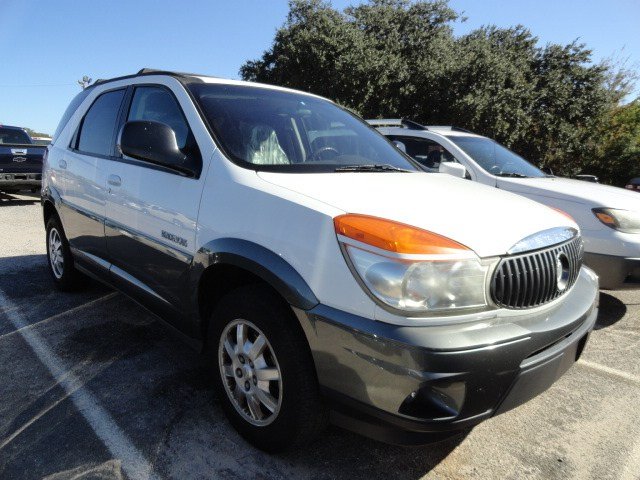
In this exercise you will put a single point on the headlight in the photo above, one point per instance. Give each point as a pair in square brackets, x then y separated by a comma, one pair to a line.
[411, 269]
[625, 221]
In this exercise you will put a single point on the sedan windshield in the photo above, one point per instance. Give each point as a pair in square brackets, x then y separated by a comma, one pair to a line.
[494, 158]
[267, 129]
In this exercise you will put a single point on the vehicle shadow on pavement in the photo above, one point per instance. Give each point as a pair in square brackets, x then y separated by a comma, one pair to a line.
[24, 199]
[611, 311]
[156, 390]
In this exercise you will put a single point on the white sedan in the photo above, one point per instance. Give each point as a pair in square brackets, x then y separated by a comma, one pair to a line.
[608, 216]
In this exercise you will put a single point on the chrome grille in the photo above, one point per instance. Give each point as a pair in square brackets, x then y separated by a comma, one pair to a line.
[531, 279]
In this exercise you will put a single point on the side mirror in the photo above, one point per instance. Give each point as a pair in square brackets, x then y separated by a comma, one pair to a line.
[547, 170]
[152, 142]
[400, 146]
[453, 168]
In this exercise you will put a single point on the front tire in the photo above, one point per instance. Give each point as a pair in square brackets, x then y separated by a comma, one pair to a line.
[263, 370]
[60, 260]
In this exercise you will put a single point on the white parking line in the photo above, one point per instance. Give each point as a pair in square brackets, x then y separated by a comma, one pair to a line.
[134, 462]
[58, 315]
[36, 417]
[611, 371]
[632, 466]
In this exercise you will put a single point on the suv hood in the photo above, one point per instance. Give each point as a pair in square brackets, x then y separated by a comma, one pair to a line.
[593, 195]
[484, 219]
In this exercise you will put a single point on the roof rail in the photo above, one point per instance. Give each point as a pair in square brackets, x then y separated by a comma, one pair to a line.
[147, 71]
[396, 122]
[385, 122]
[413, 125]
[453, 128]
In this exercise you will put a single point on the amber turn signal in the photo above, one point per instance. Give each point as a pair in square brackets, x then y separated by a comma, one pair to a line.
[394, 236]
[606, 219]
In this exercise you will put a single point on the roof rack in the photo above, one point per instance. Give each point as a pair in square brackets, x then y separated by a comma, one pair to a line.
[148, 71]
[396, 122]
[453, 128]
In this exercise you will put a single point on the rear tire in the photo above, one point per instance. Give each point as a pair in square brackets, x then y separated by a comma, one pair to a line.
[267, 386]
[59, 258]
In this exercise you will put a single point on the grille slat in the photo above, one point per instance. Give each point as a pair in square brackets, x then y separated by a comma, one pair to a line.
[531, 279]
[543, 275]
[551, 266]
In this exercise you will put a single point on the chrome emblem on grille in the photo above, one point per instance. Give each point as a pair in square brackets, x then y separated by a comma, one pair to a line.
[562, 271]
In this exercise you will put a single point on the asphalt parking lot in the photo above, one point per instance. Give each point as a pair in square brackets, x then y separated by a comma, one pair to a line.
[92, 386]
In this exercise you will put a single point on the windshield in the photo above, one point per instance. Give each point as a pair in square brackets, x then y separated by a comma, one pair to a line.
[494, 158]
[267, 129]
[13, 135]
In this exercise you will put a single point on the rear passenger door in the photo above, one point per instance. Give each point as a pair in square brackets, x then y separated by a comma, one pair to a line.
[152, 209]
[83, 167]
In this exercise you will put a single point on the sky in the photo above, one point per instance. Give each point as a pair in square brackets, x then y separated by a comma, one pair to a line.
[49, 45]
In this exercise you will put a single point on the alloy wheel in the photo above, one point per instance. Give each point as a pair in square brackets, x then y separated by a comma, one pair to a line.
[250, 372]
[56, 257]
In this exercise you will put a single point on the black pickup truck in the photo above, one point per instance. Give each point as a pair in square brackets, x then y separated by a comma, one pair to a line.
[20, 160]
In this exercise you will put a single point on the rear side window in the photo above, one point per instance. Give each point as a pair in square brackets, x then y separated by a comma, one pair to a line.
[98, 126]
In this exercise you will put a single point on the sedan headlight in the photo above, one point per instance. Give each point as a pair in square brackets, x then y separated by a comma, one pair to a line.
[411, 269]
[626, 221]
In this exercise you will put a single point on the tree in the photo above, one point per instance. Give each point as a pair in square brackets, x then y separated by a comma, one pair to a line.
[84, 82]
[400, 58]
[618, 156]
[33, 133]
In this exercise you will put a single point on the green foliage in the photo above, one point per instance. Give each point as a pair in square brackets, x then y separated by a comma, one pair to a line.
[33, 133]
[399, 58]
[618, 158]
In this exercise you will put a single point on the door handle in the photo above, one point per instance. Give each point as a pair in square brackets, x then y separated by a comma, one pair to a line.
[114, 180]
[62, 164]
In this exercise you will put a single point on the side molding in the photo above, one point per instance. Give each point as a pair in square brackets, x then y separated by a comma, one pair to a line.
[260, 261]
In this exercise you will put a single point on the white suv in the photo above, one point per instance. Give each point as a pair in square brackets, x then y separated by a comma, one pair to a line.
[322, 274]
[609, 217]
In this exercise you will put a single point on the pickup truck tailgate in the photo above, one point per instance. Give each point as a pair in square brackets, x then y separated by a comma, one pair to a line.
[21, 158]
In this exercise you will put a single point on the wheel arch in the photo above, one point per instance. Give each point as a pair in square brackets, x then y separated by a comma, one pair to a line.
[50, 201]
[228, 263]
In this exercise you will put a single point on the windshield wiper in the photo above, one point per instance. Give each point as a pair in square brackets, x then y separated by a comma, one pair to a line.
[371, 168]
[511, 174]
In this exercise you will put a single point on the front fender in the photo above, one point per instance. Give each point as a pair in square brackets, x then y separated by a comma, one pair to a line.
[260, 261]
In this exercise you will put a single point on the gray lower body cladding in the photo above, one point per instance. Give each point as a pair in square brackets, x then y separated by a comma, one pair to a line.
[410, 385]
[615, 272]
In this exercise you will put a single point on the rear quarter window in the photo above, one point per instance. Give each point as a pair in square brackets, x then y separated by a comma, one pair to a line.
[71, 109]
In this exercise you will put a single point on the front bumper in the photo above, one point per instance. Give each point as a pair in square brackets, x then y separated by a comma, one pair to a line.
[615, 272]
[411, 385]
[16, 181]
